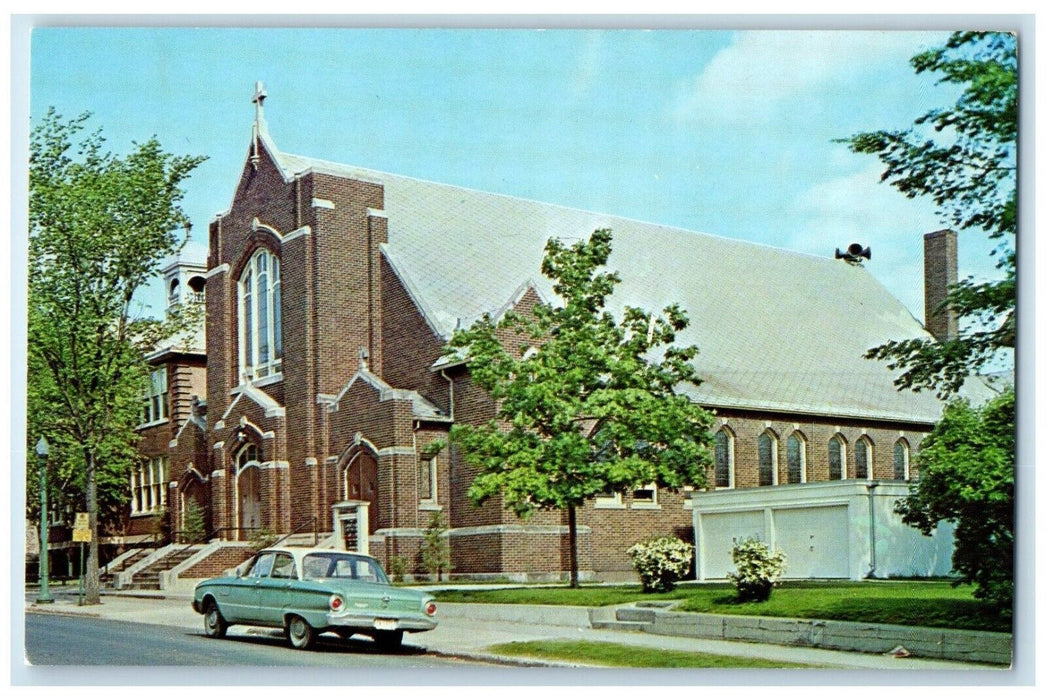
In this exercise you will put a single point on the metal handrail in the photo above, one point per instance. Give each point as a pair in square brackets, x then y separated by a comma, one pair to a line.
[309, 523]
[150, 543]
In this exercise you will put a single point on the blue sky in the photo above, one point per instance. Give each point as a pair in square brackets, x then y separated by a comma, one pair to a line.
[728, 133]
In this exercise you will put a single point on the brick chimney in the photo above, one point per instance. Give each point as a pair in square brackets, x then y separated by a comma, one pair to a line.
[940, 271]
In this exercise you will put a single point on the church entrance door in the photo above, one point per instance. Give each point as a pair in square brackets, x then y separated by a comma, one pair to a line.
[250, 503]
[363, 485]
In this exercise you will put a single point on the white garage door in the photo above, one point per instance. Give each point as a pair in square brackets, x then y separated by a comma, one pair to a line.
[815, 540]
[719, 532]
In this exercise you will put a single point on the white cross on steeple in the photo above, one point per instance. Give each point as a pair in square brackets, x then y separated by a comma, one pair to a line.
[259, 121]
[258, 99]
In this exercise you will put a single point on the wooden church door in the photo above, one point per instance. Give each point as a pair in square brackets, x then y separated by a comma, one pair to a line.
[363, 486]
[250, 503]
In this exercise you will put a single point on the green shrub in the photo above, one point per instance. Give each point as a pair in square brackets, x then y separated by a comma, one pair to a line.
[661, 562]
[397, 568]
[192, 523]
[758, 570]
[263, 537]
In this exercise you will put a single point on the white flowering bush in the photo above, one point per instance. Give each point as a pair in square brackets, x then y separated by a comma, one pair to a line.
[661, 562]
[758, 570]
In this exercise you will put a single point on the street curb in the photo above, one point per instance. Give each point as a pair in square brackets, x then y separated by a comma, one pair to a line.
[517, 661]
[60, 610]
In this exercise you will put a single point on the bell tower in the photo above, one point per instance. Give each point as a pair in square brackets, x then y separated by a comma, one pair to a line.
[184, 276]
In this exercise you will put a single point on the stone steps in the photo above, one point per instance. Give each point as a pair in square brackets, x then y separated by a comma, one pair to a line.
[149, 577]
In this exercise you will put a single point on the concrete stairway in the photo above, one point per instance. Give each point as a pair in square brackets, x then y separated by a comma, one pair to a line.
[149, 577]
[109, 574]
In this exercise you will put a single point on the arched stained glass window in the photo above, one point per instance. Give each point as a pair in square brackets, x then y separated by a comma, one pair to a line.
[863, 459]
[901, 469]
[261, 331]
[767, 459]
[724, 459]
[796, 459]
[836, 458]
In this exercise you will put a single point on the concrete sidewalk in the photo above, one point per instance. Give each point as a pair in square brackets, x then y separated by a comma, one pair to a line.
[466, 631]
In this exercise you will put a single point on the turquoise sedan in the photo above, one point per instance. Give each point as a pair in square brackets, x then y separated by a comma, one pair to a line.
[310, 591]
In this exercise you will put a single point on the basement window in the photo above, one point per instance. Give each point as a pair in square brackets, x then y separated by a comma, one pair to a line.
[645, 497]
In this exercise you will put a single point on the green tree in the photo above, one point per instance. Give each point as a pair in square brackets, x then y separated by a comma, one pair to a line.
[586, 404]
[435, 549]
[962, 157]
[99, 228]
[966, 478]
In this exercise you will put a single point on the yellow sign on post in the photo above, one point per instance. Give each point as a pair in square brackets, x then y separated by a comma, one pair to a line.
[82, 528]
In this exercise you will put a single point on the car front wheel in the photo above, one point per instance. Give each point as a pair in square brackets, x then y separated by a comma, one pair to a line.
[300, 632]
[214, 625]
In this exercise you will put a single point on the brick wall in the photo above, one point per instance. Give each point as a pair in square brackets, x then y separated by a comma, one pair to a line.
[216, 564]
[410, 344]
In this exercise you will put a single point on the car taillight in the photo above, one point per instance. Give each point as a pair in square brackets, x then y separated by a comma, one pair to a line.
[430, 608]
[336, 603]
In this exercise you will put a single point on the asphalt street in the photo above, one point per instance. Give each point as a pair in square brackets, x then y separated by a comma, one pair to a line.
[171, 634]
[73, 640]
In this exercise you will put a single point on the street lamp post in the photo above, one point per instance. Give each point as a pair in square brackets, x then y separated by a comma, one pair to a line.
[45, 592]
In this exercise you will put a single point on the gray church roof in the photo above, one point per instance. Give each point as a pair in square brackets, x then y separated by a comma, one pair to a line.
[776, 329]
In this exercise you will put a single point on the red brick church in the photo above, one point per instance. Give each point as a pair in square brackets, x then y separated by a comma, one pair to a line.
[331, 291]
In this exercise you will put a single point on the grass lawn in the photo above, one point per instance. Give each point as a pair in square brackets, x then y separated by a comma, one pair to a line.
[610, 654]
[922, 603]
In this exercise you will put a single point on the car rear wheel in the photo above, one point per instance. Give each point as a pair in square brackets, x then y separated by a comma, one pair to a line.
[389, 641]
[300, 633]
[214, 625]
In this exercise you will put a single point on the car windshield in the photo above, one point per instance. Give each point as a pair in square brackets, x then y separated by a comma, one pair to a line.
[340, 565]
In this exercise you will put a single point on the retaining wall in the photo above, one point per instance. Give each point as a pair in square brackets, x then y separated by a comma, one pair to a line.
[925, 642]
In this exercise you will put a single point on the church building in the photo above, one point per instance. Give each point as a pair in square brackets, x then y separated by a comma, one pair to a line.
[312, 405]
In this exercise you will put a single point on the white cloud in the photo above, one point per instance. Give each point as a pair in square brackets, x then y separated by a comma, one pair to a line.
[857, 208]
[589, 63]
[750, 80]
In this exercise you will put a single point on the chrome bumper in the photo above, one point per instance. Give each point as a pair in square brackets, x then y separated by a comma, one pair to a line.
[413, 623]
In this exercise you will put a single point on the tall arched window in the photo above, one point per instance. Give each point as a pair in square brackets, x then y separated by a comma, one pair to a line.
[836, 458]
[796, 458]
[863, 459]
[901, 468]
[767, 459]
[261, 331]
[724, 459]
